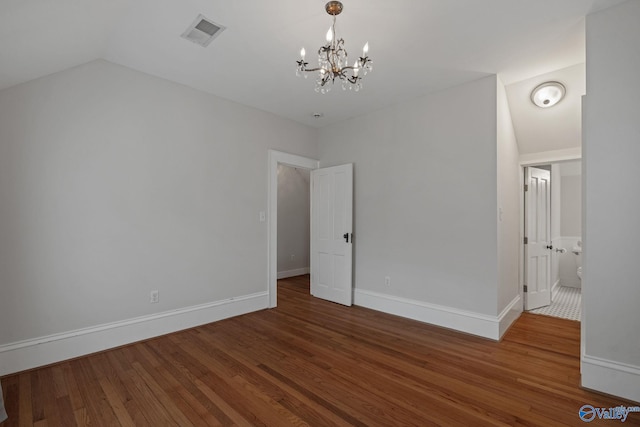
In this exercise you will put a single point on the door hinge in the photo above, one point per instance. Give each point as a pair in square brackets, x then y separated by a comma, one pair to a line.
[526, 187]
[525, 288]
[526, 240]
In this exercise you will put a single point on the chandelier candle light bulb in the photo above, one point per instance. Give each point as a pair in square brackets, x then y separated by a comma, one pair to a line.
[333, 62]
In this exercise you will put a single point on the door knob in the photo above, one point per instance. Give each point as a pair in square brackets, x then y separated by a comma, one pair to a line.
[550, 247]
[346, 237]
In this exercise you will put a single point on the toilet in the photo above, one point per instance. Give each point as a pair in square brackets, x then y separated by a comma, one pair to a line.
[577, 251]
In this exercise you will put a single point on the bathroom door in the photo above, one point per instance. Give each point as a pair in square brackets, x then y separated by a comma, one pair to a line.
[537, 248]
[331, 233]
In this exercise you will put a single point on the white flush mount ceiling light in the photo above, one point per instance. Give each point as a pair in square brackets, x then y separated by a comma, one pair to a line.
[548, 94]
[333, 62]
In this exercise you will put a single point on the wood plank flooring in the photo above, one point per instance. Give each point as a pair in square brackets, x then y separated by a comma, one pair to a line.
[310, 362]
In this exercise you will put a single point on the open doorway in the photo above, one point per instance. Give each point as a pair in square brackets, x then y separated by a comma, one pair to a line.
[562, 249]
[331, 252]
[294, 221]
[277, 159]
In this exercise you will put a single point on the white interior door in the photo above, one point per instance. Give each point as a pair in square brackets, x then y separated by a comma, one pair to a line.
[331, 233]
[537, 248]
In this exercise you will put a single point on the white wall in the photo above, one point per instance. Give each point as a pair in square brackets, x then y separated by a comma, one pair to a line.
[114, 183]
[293, 221]
[425, 190]
[611, 284]
[571, 210]
[570, 221]
[508, 190]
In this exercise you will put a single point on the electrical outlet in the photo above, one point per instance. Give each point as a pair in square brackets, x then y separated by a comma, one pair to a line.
[387, 281]
[154, 297]
[292, 257]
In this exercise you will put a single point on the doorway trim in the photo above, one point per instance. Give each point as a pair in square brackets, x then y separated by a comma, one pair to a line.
[276, 158]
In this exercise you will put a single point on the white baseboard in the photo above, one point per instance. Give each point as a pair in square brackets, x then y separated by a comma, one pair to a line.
[509, 315]
[606, 376]
[23, 355]
[577, 284]
[483, 325]
[293, 273]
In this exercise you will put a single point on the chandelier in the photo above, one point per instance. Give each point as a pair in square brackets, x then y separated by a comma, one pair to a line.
[333, 62]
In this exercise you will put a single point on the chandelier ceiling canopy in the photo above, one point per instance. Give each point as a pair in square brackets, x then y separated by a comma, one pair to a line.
[333, 62]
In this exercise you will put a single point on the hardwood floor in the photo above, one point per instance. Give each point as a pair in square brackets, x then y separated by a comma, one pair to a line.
[310, 362]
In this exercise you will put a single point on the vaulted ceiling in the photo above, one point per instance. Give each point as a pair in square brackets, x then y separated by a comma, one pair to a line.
[548, 129]
[418, 46]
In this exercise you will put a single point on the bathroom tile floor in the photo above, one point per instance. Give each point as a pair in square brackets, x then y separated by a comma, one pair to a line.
[567, 304]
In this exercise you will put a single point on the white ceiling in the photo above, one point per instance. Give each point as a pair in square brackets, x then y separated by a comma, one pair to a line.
[418, 46]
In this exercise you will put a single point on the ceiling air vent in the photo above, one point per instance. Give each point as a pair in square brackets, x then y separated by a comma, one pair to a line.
[202, 31]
